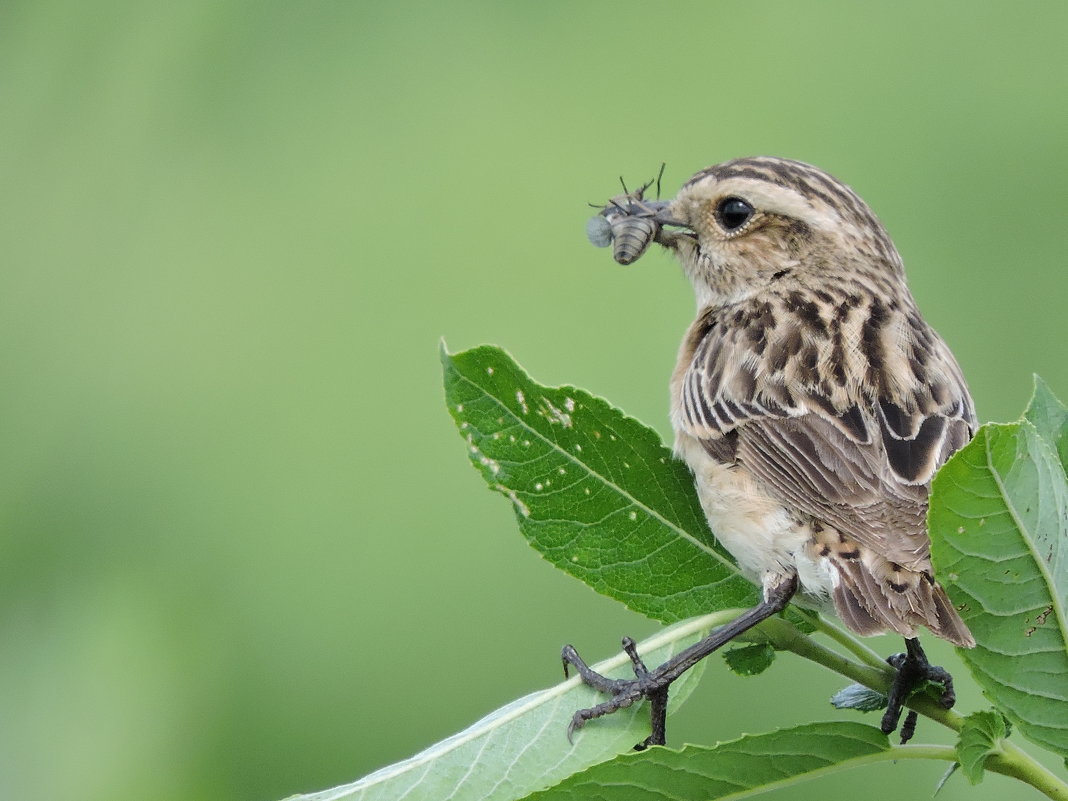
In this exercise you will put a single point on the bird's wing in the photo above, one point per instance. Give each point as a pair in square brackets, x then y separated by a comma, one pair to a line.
[844, 418]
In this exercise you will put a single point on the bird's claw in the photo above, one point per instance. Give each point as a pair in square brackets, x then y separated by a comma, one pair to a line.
[913, 671]
[623, 692]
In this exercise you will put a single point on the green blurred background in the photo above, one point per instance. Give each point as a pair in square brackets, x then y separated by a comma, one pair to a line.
[241, 552]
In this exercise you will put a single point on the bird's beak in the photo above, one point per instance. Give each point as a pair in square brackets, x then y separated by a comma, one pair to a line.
[664, 218]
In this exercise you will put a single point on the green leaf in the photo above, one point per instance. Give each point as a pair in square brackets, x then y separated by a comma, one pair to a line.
[859, 697]
[803, 619]
[523, 746]
[734, 769]
[593, 490]
[1050, 417]
[749, 660]
[980, 736]
[999, 530]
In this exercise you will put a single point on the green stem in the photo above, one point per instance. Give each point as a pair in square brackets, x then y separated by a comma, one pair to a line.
[877, 676]
[849, 642]
[1014, 762]
[1010, 761]
[875, 673]
[946, 753]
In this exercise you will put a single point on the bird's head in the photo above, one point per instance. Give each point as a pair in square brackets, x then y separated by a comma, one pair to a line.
[750, 222]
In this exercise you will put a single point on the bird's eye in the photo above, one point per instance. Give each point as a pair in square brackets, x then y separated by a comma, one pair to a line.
[733, 213]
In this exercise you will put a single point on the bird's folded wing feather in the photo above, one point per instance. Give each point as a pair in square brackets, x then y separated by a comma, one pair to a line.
[841, 422]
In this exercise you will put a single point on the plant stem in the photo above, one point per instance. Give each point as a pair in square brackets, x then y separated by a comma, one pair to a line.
[1010, 761]
[1014, 762]
[946, 753]
[877, 676]
[850, 643]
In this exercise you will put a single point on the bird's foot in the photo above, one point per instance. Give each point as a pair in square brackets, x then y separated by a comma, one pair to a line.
[623, 692]
[653, 684]
[913, 673]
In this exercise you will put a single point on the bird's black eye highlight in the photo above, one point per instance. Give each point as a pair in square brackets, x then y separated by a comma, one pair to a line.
[733, 213]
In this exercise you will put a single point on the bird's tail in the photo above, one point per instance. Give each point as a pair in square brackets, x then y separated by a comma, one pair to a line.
[899, 601]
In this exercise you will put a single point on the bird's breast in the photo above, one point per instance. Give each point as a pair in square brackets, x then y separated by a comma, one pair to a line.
[768, 542]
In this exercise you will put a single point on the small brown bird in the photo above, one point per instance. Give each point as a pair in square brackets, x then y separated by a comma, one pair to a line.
[813, 404]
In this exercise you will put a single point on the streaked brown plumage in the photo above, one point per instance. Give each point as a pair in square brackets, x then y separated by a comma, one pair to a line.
[811, 399]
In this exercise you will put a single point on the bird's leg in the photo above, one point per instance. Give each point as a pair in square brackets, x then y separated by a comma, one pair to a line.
[654, 684]
[913, 670]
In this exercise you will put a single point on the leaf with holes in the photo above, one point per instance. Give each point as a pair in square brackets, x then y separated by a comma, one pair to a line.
[999, 531]
[593, 490]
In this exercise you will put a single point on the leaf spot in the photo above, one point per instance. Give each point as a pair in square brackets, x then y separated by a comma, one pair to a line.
[489, 371]
[519, 396]
[554, 415]
[569, 404]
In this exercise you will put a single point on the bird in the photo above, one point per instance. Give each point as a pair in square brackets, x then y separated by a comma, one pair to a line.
[813, 404]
